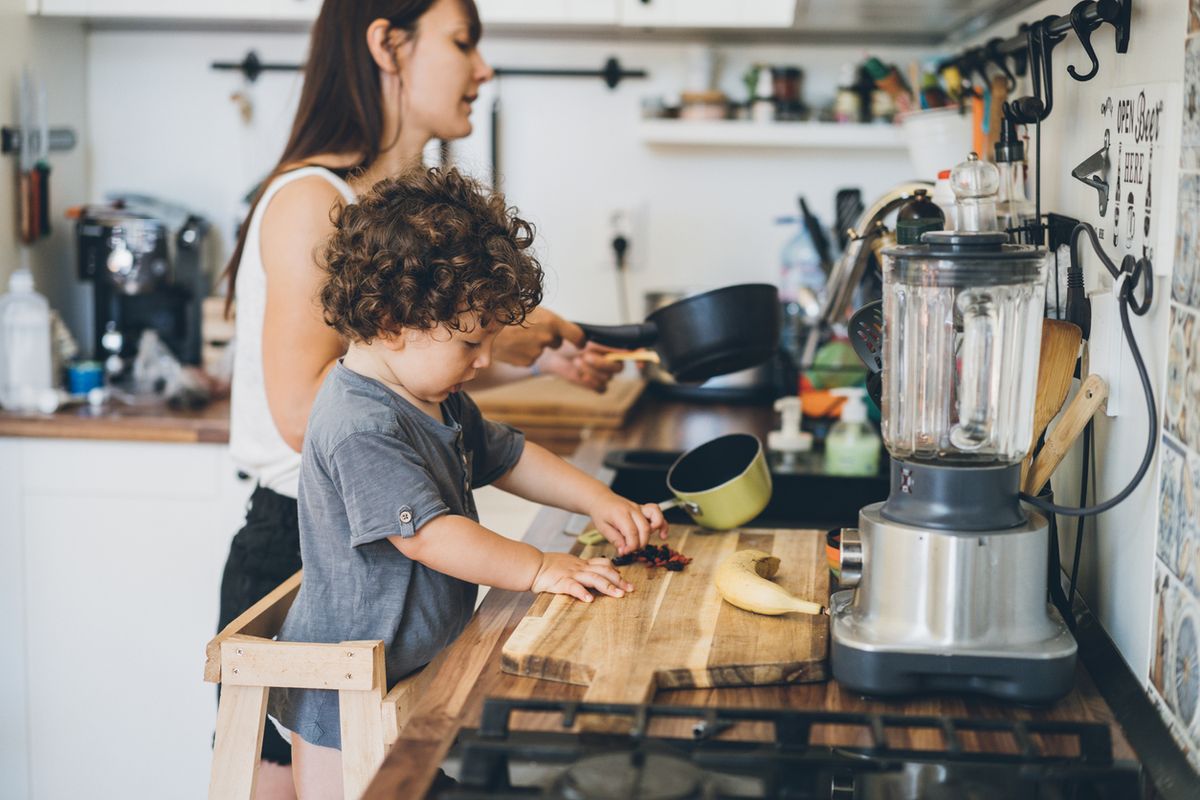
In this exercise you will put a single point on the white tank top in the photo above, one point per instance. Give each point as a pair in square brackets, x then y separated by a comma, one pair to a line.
[254, 442]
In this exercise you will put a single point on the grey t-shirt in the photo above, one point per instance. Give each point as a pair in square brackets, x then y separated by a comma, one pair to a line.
[374, 466]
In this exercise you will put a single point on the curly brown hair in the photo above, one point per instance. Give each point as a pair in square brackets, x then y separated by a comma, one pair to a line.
[422, 249]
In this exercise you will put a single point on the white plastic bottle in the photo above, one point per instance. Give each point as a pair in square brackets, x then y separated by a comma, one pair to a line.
[24, 344]
[852, 446]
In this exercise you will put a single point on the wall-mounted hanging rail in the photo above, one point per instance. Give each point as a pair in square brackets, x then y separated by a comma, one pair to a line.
[612, 73]
[57, 139]
[1035, 39]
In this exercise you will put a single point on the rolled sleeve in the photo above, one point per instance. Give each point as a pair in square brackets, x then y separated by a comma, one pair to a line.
[385, 486]
[496, 448]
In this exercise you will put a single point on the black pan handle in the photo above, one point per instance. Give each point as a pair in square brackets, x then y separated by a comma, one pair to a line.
[643, 334]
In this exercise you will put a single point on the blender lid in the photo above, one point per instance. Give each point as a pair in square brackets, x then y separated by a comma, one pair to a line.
[957, 245]
[963, 258]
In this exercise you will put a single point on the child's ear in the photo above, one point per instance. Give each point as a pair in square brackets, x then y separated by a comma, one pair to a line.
[392, 341]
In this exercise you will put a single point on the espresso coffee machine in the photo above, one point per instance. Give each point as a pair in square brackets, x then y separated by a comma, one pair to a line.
[148, 262]
[946, 579]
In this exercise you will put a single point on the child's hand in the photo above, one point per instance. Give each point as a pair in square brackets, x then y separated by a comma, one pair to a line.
[562, 573]
[626, 524]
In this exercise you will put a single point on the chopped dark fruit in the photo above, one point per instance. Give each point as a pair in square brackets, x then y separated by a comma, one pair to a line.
[655, 556]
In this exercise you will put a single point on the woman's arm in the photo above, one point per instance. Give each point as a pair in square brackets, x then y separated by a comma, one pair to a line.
[299, 349]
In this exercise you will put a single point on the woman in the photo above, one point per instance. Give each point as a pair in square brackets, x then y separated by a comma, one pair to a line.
[384, 77]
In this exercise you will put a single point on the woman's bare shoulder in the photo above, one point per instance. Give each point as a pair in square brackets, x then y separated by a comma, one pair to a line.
[302, 204]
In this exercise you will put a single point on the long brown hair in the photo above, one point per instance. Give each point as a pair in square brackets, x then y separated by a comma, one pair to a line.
[340, 109]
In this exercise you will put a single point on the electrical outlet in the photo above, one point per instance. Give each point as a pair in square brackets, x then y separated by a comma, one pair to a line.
[630, 223]
[1107, 347]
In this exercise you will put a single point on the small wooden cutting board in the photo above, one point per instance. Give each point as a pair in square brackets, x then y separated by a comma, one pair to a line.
[547, 400]
[674, 631]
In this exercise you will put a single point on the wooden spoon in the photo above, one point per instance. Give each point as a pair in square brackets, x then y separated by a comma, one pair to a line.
[1056, 365]
[1092, 392]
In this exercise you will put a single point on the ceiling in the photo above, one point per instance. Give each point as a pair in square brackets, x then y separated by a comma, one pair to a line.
[917, 21]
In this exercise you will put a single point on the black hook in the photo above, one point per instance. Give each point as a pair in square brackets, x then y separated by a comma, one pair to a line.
[993, 54]
[1084, 31]
[1031, 110]
[1142, 270]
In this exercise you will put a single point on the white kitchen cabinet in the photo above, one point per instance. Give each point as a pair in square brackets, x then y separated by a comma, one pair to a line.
[549, 12]
[708, 13]
[112, 555]
[295, 10]
[158, 9]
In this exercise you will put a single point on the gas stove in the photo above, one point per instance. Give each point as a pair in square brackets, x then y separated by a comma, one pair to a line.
[803, 754]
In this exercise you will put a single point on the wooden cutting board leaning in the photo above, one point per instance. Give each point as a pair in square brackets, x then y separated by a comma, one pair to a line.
[674, 631]
[547, 400]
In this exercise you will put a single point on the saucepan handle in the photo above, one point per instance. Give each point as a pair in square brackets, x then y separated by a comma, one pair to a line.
[643, 334]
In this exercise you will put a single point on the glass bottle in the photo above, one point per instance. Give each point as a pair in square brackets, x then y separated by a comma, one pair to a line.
[975, 184]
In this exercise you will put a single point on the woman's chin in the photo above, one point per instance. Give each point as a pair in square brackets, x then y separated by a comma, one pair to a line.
[459, 130]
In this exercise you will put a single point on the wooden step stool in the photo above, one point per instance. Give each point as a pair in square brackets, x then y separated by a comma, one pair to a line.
[246, 661]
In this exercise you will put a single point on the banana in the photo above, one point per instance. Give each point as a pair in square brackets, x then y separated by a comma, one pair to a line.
[743, 580]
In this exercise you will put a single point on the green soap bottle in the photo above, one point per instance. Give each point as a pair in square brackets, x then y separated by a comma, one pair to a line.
[852, 446]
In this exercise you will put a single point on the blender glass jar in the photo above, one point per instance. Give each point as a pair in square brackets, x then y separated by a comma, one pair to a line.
[962, 316]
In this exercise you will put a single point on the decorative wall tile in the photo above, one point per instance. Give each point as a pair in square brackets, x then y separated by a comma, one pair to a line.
[1190, 151]
[1179, 527]
[1185, 283]
[1181, 411]
[1175, 663]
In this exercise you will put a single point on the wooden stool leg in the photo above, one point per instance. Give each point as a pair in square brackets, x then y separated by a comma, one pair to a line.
[362, 739]
[240, 719]
[362, 729]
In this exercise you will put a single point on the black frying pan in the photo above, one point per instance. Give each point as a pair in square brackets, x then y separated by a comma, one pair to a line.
[707, 334]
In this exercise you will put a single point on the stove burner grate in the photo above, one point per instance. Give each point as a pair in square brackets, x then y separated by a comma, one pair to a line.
[788, 764]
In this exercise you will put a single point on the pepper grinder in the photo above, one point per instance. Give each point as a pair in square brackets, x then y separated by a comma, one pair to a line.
[975, 184]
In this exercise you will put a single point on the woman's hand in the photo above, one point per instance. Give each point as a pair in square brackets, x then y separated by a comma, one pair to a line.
[562, 573]
[625, 523]
[521, 345]
[587, 367]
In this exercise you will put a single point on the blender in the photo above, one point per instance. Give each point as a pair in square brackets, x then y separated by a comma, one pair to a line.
[944, 583]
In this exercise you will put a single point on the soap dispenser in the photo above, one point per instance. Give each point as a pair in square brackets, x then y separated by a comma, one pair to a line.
[789, 441]
[852, 446]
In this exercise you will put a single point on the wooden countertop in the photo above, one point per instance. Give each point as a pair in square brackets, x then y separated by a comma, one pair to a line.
[116, 422]
[469, 670]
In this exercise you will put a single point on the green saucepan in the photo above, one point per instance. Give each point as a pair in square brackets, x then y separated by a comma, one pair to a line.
[723, 483]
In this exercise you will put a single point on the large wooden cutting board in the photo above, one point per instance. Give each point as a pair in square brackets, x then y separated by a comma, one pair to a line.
[547, 400]
[674, 631]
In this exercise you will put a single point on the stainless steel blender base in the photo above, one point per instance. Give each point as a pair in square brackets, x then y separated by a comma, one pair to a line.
[951, 611]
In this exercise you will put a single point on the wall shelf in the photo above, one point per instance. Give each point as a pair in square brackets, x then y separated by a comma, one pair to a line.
[745, 133]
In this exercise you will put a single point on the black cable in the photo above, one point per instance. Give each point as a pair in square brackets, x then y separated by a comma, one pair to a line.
[1037, 192]
[1152, 437]
[1058, 313]
[1083, 492]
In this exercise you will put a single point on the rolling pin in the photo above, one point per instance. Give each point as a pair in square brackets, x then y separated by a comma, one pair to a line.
[1092, 393]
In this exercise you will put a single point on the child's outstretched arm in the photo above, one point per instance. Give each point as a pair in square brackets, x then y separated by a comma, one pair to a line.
[545, 478]
[461, 547]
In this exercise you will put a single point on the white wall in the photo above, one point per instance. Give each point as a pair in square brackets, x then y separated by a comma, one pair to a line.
[570, 152]
[1118, 557]
[55, 50]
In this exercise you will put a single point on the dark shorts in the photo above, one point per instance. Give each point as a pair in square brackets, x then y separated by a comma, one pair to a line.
[264, 553]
